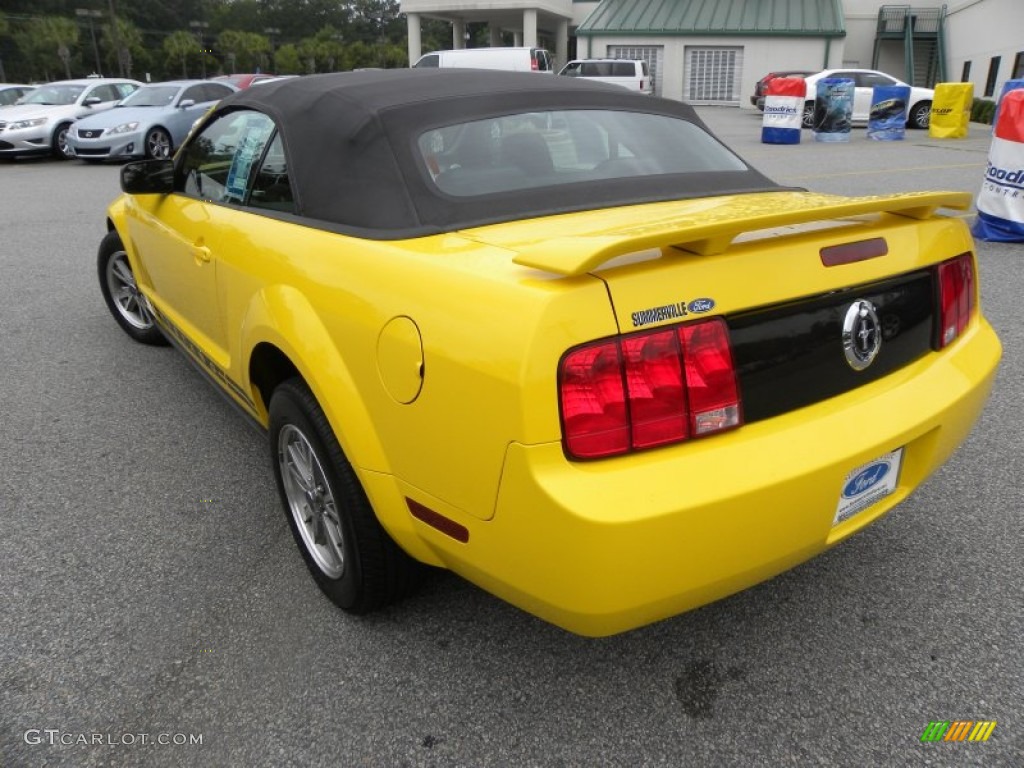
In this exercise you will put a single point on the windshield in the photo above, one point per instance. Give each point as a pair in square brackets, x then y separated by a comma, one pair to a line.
[549, 149]
[152, 96]
[54, 94]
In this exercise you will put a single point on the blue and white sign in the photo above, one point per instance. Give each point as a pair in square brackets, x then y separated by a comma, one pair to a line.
[833, 109]
[887, 120]
[867, 484]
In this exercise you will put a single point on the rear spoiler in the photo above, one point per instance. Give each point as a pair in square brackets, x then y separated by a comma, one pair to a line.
[711, 230]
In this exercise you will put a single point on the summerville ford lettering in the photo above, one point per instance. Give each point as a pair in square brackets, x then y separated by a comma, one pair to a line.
[672, 311]
[657, 314]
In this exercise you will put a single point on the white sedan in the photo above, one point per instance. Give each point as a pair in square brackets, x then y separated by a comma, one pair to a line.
[39, 123]
[918, 108]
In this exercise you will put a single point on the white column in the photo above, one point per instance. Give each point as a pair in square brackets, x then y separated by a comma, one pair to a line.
[530, 27]
[561, 43]
[517, 38]
[415, 43]
[495, 33]
[458, 34]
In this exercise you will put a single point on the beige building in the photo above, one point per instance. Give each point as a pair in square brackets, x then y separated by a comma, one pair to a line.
[707, 52]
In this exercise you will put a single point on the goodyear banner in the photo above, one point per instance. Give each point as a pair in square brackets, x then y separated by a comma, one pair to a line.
[783, 108]
[1001, 200]
[888, 118]
[1009, 85]
[951, 111]
[833, 109]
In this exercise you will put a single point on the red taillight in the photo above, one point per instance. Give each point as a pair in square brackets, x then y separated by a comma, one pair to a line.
[648, 389]
[710, 378]
[656, 392]
[534, 65]
[594, 401]
[956, 297]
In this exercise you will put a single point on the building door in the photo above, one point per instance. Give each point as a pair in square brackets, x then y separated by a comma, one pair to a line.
[712, 75]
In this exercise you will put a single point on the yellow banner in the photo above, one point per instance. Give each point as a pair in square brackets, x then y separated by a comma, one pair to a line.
[951, 111]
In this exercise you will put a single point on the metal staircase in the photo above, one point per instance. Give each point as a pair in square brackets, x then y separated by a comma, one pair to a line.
[920, 32]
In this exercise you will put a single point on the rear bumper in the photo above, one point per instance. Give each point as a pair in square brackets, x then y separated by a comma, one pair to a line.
[606, 546]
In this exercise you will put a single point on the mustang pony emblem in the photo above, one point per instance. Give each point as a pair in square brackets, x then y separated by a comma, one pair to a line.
[862, 336]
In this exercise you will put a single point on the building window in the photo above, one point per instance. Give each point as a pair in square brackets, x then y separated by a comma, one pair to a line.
[993, 75]
[1018, 66]
[712, 75]
[965, 76]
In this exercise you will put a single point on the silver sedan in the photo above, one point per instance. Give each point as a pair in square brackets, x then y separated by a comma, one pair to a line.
[150, 123]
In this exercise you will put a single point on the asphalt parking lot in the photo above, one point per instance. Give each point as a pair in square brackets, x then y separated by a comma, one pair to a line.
[152, 593]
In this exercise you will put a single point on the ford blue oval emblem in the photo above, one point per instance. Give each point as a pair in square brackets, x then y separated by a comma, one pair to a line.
[866, 479]
[697, 306]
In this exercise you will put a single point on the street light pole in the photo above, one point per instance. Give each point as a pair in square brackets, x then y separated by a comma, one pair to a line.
[92, 16]
[116, 38]
[271, 33]
[199, 27]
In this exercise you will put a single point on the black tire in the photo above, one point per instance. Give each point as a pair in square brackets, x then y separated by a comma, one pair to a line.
[350, 556]
[920, 115]
[158, 144]
[117, 283]
[59, 146]
[807, 119]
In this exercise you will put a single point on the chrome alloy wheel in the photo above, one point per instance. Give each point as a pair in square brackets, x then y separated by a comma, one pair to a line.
[311, 502]
[158, 145]
[125, 292]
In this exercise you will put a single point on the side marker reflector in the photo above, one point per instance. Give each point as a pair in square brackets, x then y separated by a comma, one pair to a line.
[436, 520]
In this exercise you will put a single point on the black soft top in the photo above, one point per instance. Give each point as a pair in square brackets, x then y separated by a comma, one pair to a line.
[350, 142]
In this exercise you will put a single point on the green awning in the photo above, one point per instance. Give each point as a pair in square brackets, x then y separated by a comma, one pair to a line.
[818, 18]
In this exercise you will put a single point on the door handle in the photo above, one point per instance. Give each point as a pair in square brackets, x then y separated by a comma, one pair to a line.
[201, 253]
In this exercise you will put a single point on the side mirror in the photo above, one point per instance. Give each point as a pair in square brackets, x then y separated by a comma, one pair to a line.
[148, 177]
[186, 103]
[92, 101]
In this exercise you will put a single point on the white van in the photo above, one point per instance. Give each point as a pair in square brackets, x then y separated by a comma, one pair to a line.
[629, 73]
[514, 59]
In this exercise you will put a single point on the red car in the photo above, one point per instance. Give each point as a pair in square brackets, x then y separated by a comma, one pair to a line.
[761, 88]
[244, 81]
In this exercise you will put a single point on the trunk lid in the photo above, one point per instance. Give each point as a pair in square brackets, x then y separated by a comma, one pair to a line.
[764, 263]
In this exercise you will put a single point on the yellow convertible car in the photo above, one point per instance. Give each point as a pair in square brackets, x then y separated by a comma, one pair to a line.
[549, 335]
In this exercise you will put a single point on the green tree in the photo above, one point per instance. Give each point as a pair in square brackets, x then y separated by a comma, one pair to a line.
[377, 22]
[3, 32]
[242, 51]
[181, 46]
[133, 49]
[331, 49]
[323, 52]
[48, 44]
[287, 60]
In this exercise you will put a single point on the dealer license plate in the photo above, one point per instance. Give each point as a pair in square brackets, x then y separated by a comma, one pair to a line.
[868, 483]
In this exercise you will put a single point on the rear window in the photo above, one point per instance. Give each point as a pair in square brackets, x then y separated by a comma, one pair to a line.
[541, 60]
[555, 148]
